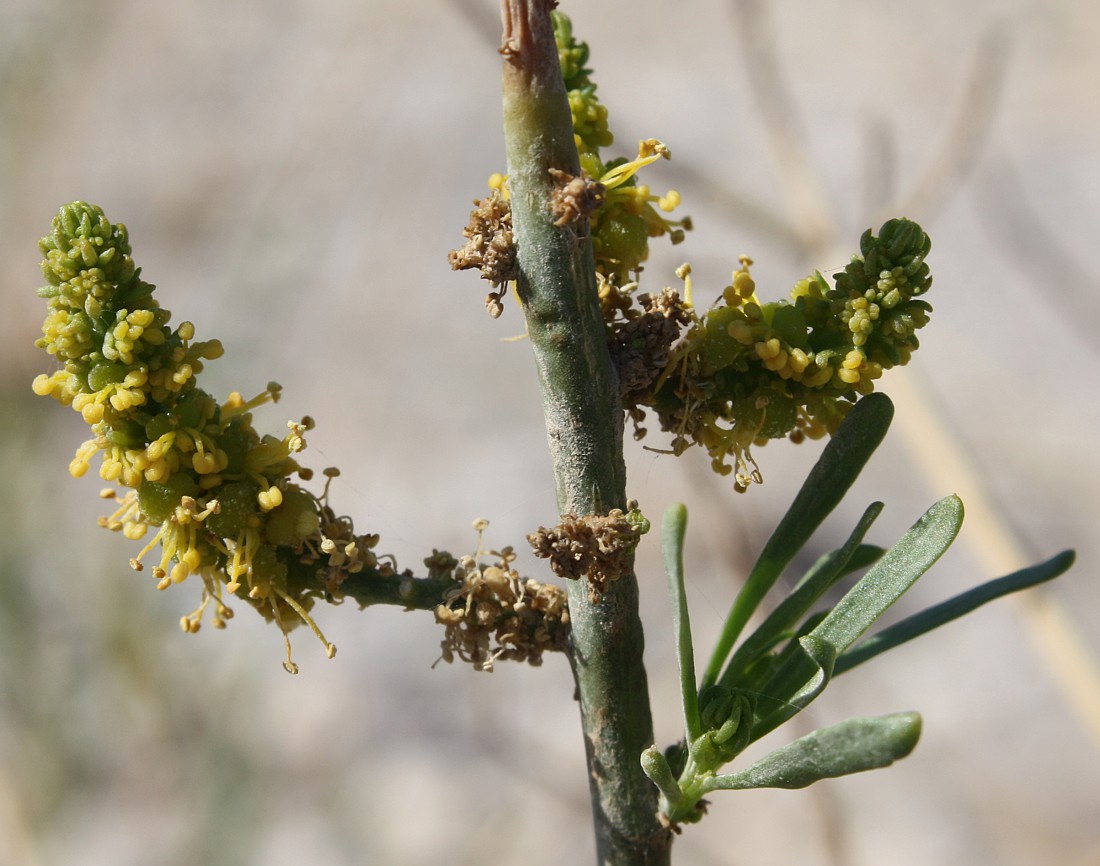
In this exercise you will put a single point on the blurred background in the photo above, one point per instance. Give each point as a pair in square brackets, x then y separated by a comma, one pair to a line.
[293, 174]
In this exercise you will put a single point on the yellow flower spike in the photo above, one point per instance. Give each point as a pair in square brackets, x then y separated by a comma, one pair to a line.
[173, 454]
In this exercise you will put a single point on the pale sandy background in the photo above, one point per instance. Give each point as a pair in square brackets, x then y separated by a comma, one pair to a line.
[293, 174]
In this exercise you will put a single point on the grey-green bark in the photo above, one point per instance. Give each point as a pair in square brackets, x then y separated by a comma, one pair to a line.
[584, 422]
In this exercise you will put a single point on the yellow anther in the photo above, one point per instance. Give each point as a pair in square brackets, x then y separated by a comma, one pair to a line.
[270, 499]
[799, 360]
[769, 349]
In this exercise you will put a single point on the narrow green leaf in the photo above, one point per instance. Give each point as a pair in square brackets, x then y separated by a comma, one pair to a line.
[863, 557]
[852, 746]
[953, 608]
[835, 471]
[787, 691]
[891, 576]
[673, 530]
[781, 622]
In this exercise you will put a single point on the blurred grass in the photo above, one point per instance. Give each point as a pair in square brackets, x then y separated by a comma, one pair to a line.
[292, 177]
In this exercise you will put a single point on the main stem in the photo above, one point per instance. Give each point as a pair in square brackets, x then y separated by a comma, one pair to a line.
[584, 425]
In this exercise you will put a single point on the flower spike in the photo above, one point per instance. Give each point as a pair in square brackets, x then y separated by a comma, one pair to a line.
[220, 498]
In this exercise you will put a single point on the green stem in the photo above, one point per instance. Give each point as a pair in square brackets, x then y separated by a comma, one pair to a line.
[369, 587]
[584, 425]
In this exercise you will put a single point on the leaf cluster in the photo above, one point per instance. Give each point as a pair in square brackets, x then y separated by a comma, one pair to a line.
[753, 685]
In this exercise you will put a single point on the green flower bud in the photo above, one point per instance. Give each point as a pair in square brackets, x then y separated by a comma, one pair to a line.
[102, 375]
[294, 521]
[572, 55]
[656, 767]
[621, 238]
[236, 440]
[236, 503]
[636, 519]
[726, 715]
[158, 501]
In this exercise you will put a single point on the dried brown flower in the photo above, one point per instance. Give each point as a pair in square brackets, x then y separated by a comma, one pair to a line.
[641, 345]
[574, 198]
[490, 246]
[493, 613]
[599, 548]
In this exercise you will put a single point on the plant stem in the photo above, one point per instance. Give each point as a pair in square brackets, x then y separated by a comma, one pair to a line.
[584, 424]
[371, 586]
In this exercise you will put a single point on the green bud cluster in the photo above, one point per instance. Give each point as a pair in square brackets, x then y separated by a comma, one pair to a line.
[683, 769]
[877, 294]
[747, 372]
[218, 495]
[589, 114]
[726, 715]
[629, 214]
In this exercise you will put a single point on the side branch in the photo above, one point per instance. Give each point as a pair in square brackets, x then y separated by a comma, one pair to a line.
[374, 586]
